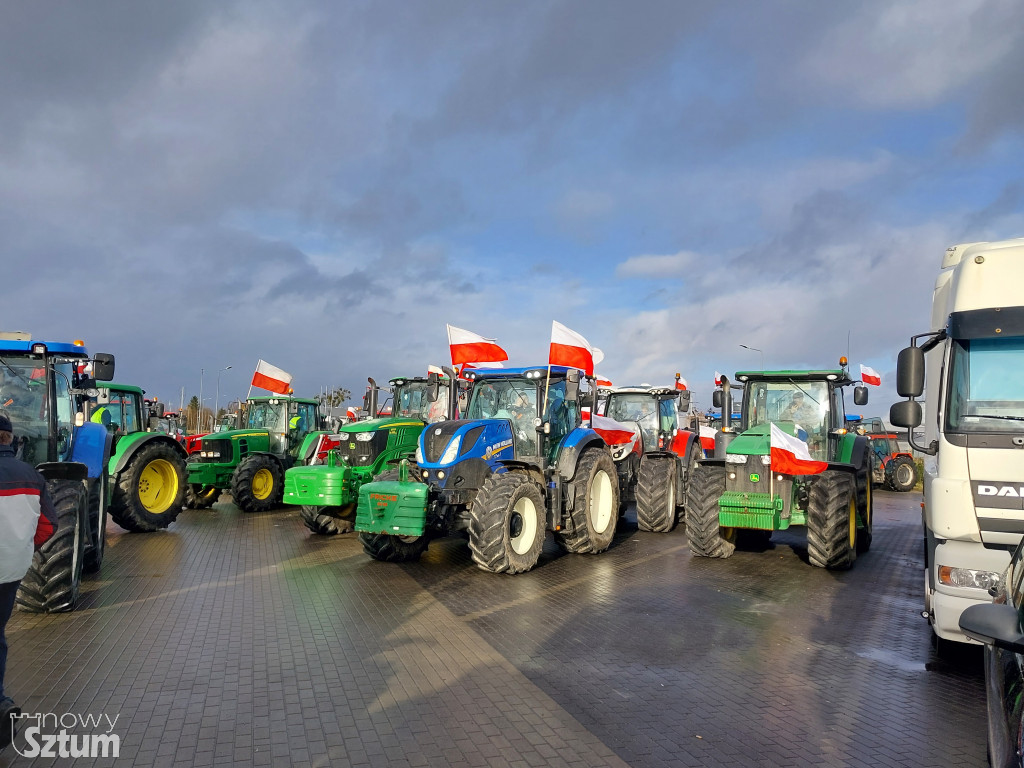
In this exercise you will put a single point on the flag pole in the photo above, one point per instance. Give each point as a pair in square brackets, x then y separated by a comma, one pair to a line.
[249, 393]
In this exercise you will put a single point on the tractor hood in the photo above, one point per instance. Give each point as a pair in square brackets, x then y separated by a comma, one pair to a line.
[255, 439]
[476, 438]
[756, 441]
[372, 425]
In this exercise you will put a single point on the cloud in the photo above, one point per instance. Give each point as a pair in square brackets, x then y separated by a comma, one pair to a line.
[673, 265]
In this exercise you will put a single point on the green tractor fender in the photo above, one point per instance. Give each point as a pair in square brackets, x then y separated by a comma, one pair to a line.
[129, 445]
[854, 452]
[308, 445]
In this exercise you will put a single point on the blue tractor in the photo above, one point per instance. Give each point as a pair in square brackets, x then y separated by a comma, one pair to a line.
[518, 465]
[44, 386]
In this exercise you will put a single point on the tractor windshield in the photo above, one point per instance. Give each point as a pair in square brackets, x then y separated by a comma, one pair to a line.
[23, 399]
[638, 407]
[411, 401]
[801, 405]
[269, 416]
[512, 399]
[984, 386]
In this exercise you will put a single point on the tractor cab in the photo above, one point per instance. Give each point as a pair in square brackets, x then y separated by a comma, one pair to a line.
[287, 420]
[654, 409]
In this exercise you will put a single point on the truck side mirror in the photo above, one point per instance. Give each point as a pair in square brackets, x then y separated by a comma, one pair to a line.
[860, 395]
[716, 398]
[910, 372]
[684, 401]
[906, 413]
[103, 367]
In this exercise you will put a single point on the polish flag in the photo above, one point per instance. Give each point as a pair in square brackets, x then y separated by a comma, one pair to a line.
[870, 376]
[612, 432]
[469, 347]
[791, 457]
[570, 349]
[718, 379]
[707, 438]
[435, 369]
[681, 383]
[271, 378]
[602, 382]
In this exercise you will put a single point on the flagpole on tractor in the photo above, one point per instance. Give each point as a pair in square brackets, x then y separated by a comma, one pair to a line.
[249, 393]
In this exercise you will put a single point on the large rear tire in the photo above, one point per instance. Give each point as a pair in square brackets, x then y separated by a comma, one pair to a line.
[832, 521]
[393, 549]
[95, 549]
[901, 474]
[656, 494]
[329, 521]
[258, 483]
[706, 537]
[148, 492]
[692, 462]
[54, 579]
[507, 524]
[200, 496]
[595, 507]
[865, 510]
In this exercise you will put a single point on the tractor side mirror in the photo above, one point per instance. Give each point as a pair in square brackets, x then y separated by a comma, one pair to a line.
[906, 413]
[103, 367]
[157, 410]
[910, 372]
[684, 401]
[433, 387]
[716, 398]
[572, 389]
[860, 395]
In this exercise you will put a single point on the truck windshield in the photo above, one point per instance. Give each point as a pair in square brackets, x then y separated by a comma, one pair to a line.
[269, 416]
[411, 401]
[985, 390]
[23, 399]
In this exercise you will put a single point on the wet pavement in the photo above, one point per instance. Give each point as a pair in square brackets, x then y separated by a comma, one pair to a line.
[236, 639]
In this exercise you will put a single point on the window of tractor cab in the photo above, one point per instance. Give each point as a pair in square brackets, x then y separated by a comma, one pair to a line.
[984, 386]
[669, 415]
[800, 405]
[411, 401]
[23, 399]
[302, 417]
[513, 399]
[269, 416]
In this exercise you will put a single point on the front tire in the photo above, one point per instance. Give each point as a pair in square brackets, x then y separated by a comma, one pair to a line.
[507, 524]
[832, 521]
[148, 492]
[902, 474]
[95, 549]
[200, 496]
[595, 505]
[54, 579]
[865, 510]
[656, 494]
[258, 484]
[393, 549]
[706, 536]
[329, 521]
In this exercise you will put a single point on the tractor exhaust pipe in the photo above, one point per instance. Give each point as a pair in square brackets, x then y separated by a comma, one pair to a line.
[371, 399]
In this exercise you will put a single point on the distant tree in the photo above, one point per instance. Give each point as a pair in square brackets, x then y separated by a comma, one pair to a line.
[335, 397]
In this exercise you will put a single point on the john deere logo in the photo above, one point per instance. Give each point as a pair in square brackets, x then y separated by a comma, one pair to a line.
[351, 446]
[754, 477]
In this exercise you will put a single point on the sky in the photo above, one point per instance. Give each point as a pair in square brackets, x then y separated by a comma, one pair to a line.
[325, 185]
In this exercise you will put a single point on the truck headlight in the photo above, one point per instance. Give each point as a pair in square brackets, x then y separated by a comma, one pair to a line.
[733, 458]
[968, 578]
[364, 437]
[451, 453]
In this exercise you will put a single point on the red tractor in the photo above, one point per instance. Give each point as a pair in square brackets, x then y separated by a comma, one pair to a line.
[891, 467]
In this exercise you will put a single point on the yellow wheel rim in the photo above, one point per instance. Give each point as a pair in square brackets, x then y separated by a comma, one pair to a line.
[728, 534]
[158, 486]
[853, 521]
[867, 508]
[262, 484]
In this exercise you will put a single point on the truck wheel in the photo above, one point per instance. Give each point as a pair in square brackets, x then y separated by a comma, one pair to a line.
[832, 521]
[258, 484]
[706, 537]
[865, 510]
[54, 578]
[148, 492]
[902, 474]
[200, 496]
[329, 521]
[593, 515]
[656, 494]
[393, 549]
[95, 549]
[507, 524]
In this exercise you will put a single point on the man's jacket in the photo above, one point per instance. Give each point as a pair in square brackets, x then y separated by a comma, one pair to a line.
[27, 516]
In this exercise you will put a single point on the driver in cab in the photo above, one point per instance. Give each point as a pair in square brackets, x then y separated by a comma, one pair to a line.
[800, 411]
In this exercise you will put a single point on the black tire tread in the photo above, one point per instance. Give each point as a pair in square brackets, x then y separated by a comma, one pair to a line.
[52, 583]
[241, 483]
[328, 521]
[828, 521]
[580, 539]
[655, 488]
[126, 507]
[490, 548]
[705, 488]
[892, 471]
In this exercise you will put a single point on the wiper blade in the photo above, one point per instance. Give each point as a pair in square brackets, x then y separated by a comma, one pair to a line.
[1003, 416]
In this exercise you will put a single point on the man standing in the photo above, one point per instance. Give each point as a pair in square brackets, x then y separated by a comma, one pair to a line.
[27, 520]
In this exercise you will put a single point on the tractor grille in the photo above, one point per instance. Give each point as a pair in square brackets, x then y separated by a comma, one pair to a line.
[222, 447]
[361, 454]
[436, 437]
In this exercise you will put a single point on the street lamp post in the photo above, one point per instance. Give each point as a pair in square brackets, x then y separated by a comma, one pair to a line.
[755, 349]
[216, 403]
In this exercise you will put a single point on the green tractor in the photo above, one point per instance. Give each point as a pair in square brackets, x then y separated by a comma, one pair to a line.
[337, 465]
[146, 470]
[751, 487]
[251, 462]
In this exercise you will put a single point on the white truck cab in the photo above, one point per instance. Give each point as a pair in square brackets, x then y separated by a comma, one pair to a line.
[969, 368]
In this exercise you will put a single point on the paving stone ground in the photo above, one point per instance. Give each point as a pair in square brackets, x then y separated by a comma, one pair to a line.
[244, 640]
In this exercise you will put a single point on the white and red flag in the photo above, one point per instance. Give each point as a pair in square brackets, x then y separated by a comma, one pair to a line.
[469, 347]
[870, 376]
[570, 349]
[718, 379]
[611, 431]
[681, 383]
[790, 455]
[601, 381]
[271, 378]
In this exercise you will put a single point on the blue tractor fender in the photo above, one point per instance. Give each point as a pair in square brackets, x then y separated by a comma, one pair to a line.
[577, 441]
[91, 446]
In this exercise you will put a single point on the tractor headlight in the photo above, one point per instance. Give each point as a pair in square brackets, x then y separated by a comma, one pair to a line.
[968, 578]
[364, 437]
[451, 453]
[766, 459]
[343, 436]
[734, 458]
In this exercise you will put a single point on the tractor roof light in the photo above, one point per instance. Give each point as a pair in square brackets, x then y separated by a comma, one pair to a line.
[831, 377]
[78, 343]
[843, 361]
[744, 377]
[38, 349]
